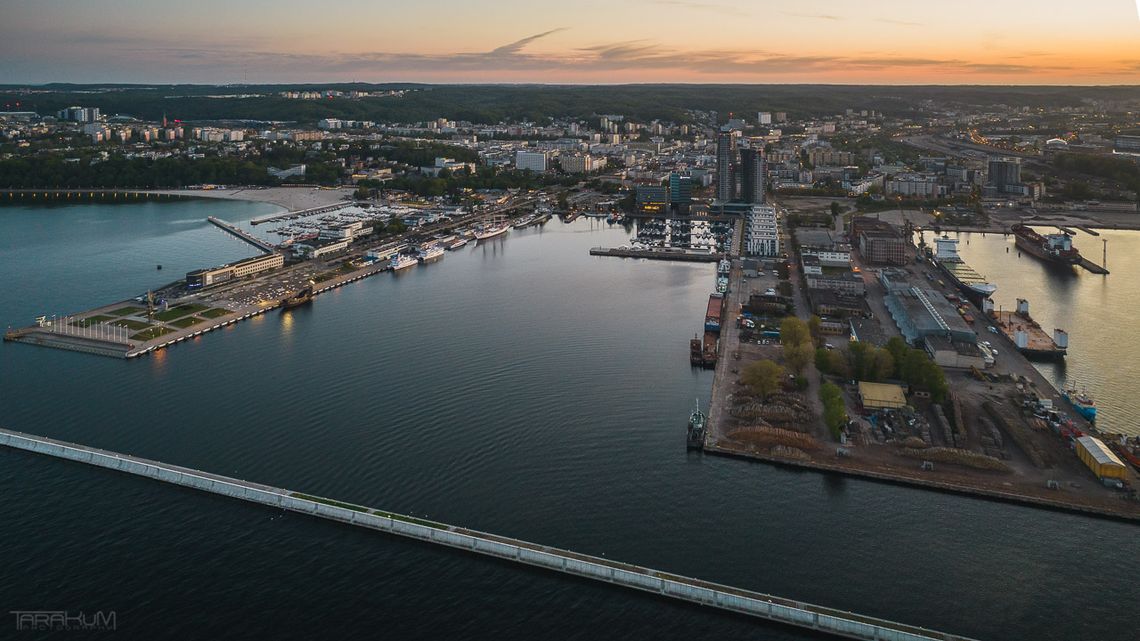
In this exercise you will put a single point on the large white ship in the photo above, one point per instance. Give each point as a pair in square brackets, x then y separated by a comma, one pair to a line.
[402, 261]
[429, 252]
[491, 228]
[965, 277]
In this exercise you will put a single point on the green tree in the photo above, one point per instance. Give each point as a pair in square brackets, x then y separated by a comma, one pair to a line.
[833, 362]
[815, 325]
[797, 357]
[835, 209]
[834, 409]
[764, 377]
[898, 350]
[794, 331]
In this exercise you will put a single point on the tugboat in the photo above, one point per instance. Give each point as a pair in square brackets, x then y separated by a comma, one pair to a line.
[696, 358]
[297, 299]
[1080, 401]
[696, 431]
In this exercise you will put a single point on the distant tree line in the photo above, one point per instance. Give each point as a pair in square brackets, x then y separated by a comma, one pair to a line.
[50, 172]
[538, 103]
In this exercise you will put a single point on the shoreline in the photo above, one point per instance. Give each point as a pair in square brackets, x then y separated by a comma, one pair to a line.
[897, 477]
[287, 198]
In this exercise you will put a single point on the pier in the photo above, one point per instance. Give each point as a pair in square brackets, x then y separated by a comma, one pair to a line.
[76, 195]
[242, 234]
[100, 331]
[1092, 267]
[656, 254]
[312, 211]
[767, 607]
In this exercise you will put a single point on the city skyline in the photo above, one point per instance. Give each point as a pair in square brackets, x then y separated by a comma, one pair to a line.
[590, 42]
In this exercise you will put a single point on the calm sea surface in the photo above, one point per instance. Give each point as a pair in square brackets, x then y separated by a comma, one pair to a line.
[520, 387]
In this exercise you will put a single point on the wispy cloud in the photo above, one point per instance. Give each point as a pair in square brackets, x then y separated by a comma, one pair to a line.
[814, 16]
[517, 45]
[700, 6]
[601, 60]
[903, 23]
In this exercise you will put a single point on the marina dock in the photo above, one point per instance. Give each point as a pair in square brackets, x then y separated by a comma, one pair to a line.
[312, 211]
[242, 234]
[656, 254]
[762, 606]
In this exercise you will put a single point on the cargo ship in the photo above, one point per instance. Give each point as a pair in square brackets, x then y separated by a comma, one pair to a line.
[1081, 402]
[1027, 335]
[297, 299]
[714, 313]
[695, 434]
[969, 282]
[403, 261]
[724, 267]
[1053, 248]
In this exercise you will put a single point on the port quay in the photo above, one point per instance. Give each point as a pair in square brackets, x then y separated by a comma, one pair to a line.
[820, 619]
[129, 328]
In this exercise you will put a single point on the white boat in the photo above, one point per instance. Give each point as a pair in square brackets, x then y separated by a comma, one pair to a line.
[401, 261]
[429, 252]
[457, 243]
[491, 228]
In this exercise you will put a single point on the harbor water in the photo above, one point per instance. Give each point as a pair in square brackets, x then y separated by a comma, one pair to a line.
[1096, 310]
[518, 386]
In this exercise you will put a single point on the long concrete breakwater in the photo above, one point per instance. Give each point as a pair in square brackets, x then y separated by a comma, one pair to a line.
[764, 606]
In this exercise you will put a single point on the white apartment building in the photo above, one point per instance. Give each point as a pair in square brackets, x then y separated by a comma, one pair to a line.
[761, 232]
[532, 160]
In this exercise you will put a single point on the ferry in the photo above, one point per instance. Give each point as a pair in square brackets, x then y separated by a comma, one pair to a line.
[402, 261]
[1081, 402]
[973, 284]
[429, 253]
[695, 435]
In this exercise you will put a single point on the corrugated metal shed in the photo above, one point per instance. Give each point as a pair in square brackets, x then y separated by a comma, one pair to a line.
[881, 395]
[1101, 460]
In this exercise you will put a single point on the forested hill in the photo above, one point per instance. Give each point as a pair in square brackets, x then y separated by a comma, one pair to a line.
[536, 103]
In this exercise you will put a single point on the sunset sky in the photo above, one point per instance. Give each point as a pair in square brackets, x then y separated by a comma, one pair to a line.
[573, 41]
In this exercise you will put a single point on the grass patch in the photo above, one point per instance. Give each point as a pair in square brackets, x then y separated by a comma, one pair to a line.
[216, 312]
[91, 320]
[183, 323]
[178, 312]
[320, 278]
[151, 333]
[126, 311]
[131, 324]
